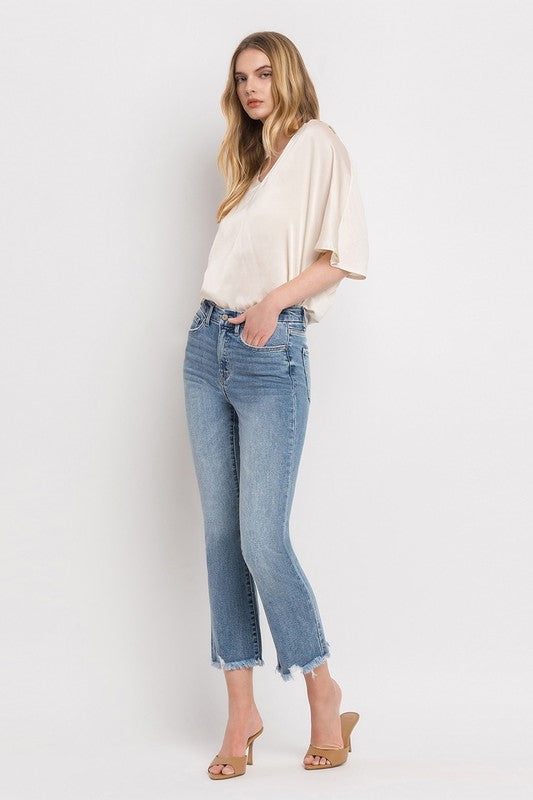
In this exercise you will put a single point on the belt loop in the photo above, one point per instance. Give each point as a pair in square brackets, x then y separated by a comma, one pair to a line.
[209, 312]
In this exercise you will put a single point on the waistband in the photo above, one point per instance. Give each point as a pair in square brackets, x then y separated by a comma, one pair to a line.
[217, 313]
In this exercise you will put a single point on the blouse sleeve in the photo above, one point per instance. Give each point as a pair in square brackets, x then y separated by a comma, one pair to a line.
[342, 223]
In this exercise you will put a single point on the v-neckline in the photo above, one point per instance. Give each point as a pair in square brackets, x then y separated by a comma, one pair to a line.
[256, 182]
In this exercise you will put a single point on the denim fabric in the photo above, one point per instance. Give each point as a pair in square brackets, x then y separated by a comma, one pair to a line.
[247, 408]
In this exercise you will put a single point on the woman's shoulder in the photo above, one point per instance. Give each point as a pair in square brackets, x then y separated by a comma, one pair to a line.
[323, 139]
[317, 128]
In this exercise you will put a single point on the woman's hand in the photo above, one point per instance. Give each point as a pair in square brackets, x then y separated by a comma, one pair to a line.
[260, 322]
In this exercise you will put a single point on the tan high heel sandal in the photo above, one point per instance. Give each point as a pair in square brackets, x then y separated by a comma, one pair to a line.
[337, 755]
[237, 762]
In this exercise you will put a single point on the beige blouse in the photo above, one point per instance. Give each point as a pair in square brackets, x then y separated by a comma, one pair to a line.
[308, 202]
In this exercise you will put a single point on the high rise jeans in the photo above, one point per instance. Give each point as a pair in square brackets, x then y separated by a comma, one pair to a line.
[247, 409]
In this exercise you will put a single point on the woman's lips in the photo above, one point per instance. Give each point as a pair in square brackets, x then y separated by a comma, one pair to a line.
[255, 103]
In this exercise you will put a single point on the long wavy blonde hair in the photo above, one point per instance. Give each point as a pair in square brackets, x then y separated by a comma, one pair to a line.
[248, 142]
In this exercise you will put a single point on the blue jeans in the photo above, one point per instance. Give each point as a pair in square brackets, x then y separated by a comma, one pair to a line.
[247, 409]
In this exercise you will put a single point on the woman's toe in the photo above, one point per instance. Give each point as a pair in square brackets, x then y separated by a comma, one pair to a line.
[216, 769]
[316, 760]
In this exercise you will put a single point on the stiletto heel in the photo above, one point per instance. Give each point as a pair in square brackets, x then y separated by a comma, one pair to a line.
[250, 754]
[237, 762]
[337, 755]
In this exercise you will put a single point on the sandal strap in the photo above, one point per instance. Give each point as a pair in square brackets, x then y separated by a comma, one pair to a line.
[237, 762]
[335, 755]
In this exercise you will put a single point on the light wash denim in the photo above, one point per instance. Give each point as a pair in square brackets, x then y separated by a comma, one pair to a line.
[247, 409]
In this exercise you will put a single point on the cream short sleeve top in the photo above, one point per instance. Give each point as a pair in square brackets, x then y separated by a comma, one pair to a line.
[308, 202]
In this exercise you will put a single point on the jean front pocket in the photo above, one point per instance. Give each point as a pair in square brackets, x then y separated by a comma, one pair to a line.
[307, 370]
[277, 341]
[198, 322]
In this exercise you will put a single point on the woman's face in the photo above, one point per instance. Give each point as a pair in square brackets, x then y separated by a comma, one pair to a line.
[253, 81]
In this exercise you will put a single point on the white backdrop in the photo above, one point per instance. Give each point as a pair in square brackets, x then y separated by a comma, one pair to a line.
[413, 512]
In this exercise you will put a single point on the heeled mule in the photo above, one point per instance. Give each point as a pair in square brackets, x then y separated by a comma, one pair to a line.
[237, 762]
[337, 756]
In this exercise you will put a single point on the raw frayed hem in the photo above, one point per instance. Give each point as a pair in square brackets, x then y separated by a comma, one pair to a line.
[295, 669]
[247, 662]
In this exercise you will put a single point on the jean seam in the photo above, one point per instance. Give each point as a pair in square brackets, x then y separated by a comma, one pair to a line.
[307, 373]
[285, 513]
[247, 576]
[253, 610]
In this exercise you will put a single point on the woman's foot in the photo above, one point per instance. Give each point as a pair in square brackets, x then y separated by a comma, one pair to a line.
[240, 726]
[243, 717]
[324, 694]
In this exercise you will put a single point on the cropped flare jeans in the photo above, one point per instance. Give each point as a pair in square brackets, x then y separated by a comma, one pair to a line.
[247, 408]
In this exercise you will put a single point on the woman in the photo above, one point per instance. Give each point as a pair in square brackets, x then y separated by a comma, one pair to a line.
[290, 228]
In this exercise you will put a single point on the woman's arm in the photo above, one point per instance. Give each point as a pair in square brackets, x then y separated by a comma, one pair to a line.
[260, 320]
[318, 276]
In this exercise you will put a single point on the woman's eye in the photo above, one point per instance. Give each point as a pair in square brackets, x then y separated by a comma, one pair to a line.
[239, 77]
